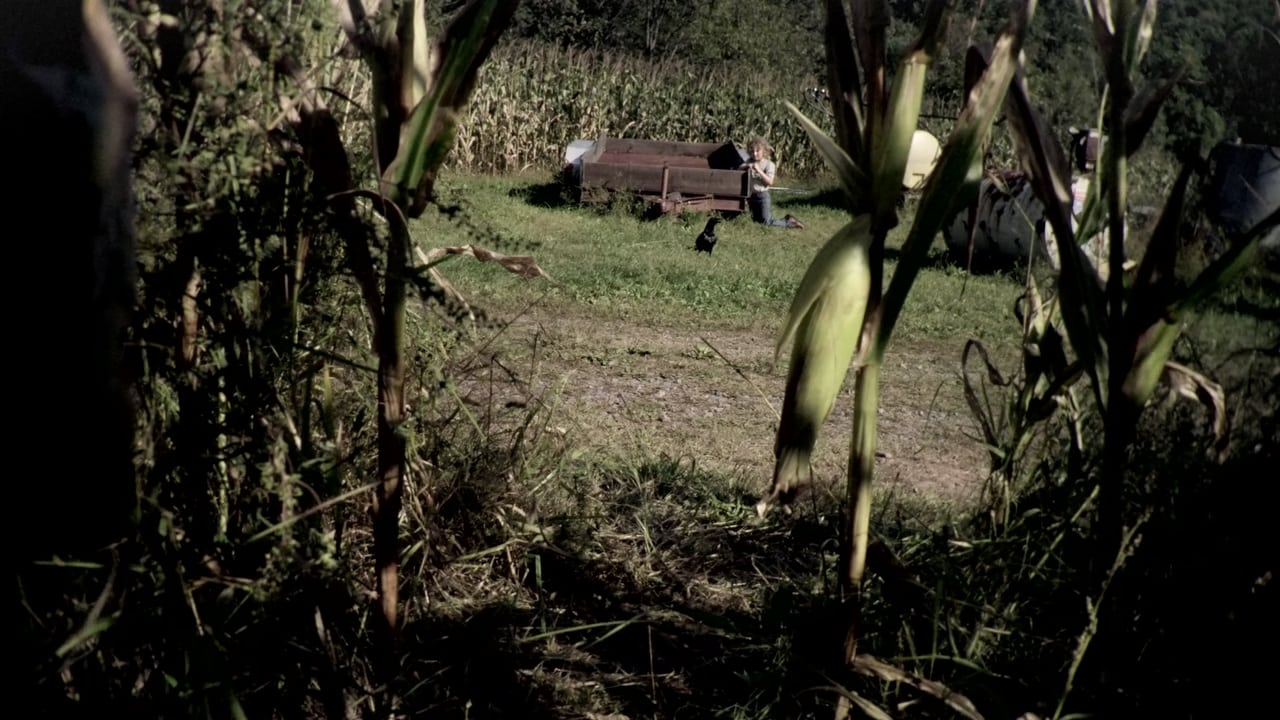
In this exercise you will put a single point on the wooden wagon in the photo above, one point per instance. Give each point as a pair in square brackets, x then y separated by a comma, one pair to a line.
[670, 177]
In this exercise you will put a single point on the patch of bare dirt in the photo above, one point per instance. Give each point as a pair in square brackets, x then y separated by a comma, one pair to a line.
[637, 388]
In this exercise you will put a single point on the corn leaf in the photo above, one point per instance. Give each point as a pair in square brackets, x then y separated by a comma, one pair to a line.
[1040, 156]
[1139, 37]
[976, 60]
[1091, 216]
[1141, 113]
[1083, 308]
[953, 172]
[843, 82]
[892, 145]
[818, 277]
[1154, 343]
[427, 135]
[1044, 354]
[1153, 284]
[1104, 33]
[933, 28]
[1190, 384]
[852, 180]
[415, 53]
[1112, 171]
[968, 197]
[526, 266]
[1147, 316]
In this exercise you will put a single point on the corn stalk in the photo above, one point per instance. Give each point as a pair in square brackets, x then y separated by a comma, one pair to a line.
[1123, 335]
[1046, 384]
[840, 308]
[1123, 331]
[417, 96]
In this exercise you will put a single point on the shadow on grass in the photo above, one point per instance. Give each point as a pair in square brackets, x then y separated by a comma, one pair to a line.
[595, 647]
[668, 602]
[552, 194]
[828, 199]
[696, 617]
[557, 194]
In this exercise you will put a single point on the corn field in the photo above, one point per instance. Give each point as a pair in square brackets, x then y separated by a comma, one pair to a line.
[533, 100]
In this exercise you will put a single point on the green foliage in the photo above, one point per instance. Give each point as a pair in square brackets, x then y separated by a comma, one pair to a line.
[1032, 575]
[583, 579]
[1225, 47]
[536, 97]
[253, 366]
[533, 100]
[1122, 335]
[1123, 332]
[755, 34]
[621, 266]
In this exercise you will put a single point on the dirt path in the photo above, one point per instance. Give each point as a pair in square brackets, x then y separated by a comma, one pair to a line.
[639, 389]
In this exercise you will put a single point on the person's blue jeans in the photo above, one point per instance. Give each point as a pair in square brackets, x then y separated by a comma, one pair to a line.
[761, 205]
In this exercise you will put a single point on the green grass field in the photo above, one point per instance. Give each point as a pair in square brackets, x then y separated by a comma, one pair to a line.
[625, 267]
[657, 343]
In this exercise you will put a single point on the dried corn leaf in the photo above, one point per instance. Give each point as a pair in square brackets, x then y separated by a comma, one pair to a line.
[523, 265]
[869, 665]
[1191, 385]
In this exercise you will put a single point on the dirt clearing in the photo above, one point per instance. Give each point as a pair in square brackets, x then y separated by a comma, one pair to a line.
[634, 388]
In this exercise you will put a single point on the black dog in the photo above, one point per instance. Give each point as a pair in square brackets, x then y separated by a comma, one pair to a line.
[706, 241]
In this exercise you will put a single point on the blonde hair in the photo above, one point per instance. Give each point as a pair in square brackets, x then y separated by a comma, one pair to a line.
[759, 142]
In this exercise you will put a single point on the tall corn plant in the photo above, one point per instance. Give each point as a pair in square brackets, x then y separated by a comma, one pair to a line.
[417, 95]
[1123, 337]
[416, 109]
[1123, 333]
[841, 307]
